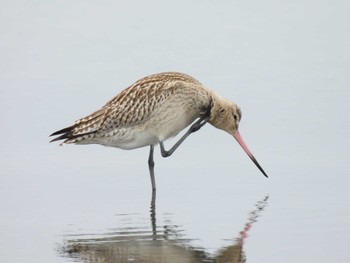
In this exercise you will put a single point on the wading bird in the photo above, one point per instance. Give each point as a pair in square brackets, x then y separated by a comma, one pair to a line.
[152, 110]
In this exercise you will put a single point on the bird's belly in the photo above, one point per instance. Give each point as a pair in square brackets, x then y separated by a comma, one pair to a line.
[128, 139]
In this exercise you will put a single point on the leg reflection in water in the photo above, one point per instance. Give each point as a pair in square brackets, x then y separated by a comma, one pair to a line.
[155, 244]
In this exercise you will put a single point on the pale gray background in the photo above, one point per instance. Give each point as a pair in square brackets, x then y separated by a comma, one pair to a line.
[286, 63]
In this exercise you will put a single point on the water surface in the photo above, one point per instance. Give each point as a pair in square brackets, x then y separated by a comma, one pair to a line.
[136, 242]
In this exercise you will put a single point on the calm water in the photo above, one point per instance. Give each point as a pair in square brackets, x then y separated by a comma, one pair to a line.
[136, 241]
[286, 64]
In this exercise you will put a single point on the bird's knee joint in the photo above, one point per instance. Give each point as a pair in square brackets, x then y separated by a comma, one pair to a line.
[151, 163]
[195, 127]
[165, 154]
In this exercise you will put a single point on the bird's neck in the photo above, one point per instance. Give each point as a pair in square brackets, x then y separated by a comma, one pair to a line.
[219, 104]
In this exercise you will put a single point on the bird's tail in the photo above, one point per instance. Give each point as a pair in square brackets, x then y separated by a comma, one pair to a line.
[82, 129]
[69, 136]
[65, 133]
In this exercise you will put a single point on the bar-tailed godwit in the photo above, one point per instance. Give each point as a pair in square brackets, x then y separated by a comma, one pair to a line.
[152, 110]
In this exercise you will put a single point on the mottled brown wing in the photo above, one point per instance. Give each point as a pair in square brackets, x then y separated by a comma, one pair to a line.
[132, 106]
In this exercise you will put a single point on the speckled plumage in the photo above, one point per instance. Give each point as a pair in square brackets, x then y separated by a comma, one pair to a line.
[152, 110]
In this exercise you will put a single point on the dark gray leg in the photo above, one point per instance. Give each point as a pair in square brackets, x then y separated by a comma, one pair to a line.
[153, 216]
[151, 168]
[194, 127]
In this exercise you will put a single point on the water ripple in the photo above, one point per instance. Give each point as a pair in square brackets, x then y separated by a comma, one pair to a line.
[156, 244]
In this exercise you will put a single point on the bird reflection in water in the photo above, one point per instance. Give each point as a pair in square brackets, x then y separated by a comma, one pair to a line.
[160, 244]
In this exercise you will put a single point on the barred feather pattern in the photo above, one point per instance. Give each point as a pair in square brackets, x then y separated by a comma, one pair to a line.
[152, 101]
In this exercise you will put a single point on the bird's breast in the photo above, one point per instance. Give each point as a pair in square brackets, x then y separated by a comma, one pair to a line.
[168, 121]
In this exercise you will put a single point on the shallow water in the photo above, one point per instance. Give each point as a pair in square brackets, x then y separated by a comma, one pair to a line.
[285, 64]
[166, 242]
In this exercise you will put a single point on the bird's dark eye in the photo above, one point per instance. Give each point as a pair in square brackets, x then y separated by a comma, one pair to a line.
[235, 116]
[222, 111]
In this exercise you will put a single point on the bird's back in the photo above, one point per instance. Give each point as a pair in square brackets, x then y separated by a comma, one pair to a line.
[153, 108]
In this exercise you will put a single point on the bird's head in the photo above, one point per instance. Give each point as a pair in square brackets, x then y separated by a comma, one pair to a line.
[226, 115]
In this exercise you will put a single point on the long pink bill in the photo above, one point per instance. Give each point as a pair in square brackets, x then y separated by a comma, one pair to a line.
[239, 139]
